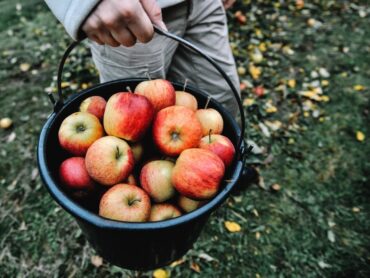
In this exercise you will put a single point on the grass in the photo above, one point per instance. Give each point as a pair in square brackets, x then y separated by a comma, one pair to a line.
[315, 223]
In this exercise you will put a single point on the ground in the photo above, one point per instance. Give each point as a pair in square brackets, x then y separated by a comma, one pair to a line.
[305, 80]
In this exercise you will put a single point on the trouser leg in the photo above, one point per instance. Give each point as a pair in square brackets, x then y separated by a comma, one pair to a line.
[207, 29]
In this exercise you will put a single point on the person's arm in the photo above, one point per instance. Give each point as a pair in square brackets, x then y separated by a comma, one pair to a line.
[112, 22]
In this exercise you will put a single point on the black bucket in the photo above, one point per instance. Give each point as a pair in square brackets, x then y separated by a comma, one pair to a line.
[136, 246]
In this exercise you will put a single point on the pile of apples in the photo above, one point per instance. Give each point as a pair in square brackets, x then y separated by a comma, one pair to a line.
[152, 151]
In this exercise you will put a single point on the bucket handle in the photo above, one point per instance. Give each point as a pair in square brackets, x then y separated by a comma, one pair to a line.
[58, 104]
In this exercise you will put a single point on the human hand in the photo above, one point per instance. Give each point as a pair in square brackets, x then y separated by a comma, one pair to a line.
[228, 3]
[116, 22]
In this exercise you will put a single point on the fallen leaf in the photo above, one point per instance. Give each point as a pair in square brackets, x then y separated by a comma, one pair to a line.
[24, 67]
[360, 136]
[11, 137]
[324, 83]
[160, 273]
[274, 125]
[241, 70]
[358, 87]
[259, 91]
[97, 261]
[356, 209]
[178, 262]
[262, 47]
[276, 187]
[232, 227]
[299, 4]
[331, 236]
[254, 71]
[248, 101]
[292, 83]
[264, 130]
[258, 235]
[323, 265]
[206, 257]
[194, 266]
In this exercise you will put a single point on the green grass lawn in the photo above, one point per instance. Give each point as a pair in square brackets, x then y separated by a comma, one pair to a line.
[306, 216]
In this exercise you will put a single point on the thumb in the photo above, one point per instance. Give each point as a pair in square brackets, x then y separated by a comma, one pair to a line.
[154, 12]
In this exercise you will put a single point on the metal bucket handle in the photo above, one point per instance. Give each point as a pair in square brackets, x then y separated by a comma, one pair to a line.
[243, 151]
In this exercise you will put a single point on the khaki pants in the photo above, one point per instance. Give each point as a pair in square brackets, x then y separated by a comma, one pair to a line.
[201, 22]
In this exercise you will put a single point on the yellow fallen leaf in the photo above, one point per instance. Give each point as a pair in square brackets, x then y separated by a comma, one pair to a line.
[160, 273]
[232, 227]
[356, 209]
[292, 83]
[322, 119]
[248, 101]
[306, 114]
[256, 56]
[325, 98]
[258, 32]
[65, 84]
[311, 95]
[287, 50]
[358, 88]
[241, 70]
[254, 71]
[271, 109]
[24, 67]
[325, 83]
[360, 136]
[84, 86]
[262, 47]
[178, 262]
[258, 235]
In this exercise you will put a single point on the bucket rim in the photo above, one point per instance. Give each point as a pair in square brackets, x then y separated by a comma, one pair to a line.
[73, 208]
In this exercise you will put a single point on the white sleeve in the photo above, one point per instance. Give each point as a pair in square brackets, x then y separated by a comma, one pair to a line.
[72, 13]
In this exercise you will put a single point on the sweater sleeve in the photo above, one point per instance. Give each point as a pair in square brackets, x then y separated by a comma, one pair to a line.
[72, 13]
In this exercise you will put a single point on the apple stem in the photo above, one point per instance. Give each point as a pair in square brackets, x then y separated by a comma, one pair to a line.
[147, 75]
[209, 135]
[131, 202]
[186, 83]
[118, 153]
[128, 89]
[208, 100]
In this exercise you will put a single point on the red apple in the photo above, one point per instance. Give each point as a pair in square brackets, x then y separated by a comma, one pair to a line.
[128, 116]
[187, 100]
[161, 212]
[155, 179]
[211, 120]
[75, 178]
[175, 129]
[198, 173]
[94, 105]
[160, 93]
[220, 145]
[125, 202]
[78, 131]
[109, 160]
